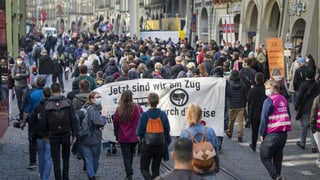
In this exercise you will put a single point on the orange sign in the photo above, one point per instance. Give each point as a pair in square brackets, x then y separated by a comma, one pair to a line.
[275, 54]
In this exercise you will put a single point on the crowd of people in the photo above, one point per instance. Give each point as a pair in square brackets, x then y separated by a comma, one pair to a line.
[255, 97]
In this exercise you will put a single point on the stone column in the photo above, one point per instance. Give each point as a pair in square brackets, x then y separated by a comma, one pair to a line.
[134, 16]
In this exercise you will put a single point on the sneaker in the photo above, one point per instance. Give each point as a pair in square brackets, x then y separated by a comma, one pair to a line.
[229, 135]
[279, 178]
[240, 139]
[253, 149]
[314, 150]
[32, 166]
[300, 145]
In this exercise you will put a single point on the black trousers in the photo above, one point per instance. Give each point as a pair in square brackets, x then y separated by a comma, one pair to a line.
[32, 146]
[150, 154]
[128, 150]
[271, 152]
[58, 145]
[255, 123]
[60, 79]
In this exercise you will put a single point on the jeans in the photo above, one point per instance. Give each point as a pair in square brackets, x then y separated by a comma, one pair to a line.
[148, 154]
[30, 58]
[20, 91]
[59, 76]
[304, 130]
[91, 155]
[128, 150]
[48, 79]
[271, 152]
[4, 91]
[210, 176]
[236, 113]
[44, 159]
[56, 146]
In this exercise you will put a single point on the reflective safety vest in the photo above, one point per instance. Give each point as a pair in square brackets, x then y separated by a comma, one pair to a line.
[279, 120]
[318, 120]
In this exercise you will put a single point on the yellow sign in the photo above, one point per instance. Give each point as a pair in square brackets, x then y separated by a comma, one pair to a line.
[181, 34]
[275, 54]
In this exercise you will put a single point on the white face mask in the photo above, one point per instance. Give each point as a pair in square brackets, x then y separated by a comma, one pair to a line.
[19, 62]
[268, 92]
[307, 60]
[277, 78]
[98, 101]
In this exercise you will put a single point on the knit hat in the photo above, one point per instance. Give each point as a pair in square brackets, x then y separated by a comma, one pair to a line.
[41, 81]
[302, 60]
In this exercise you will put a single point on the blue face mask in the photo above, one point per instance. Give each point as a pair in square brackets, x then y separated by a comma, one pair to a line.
[98, 101]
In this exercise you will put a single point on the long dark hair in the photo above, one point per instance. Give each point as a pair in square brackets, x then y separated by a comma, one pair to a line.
[126, 106]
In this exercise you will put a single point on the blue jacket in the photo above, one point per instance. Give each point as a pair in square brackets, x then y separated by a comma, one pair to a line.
[153, 113]
[33, 99]
[210, 136]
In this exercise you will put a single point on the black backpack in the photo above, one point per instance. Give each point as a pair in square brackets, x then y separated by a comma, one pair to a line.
[58, 116]
[37, 50]
[37, 119]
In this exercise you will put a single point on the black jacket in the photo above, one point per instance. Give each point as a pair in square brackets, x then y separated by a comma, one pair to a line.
[299, 77]
[45, 65]
[60, 119]
[308, 91]
[37, 122]
[255, 99]
[239, 95]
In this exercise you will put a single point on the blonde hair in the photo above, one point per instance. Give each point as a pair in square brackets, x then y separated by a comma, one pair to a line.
[194, 114]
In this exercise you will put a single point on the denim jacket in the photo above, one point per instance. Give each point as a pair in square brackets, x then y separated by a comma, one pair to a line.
[210, 136]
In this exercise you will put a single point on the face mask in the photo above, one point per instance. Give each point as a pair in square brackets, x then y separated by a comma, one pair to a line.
[268, 92]
[19, 62]
[98, 101]
[277, 78]
[245, 49]
[307, 60]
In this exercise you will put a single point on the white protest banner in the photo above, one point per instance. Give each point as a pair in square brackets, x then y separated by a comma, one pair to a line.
[175, 96]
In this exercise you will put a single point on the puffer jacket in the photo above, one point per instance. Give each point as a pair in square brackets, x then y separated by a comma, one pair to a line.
[239, 95]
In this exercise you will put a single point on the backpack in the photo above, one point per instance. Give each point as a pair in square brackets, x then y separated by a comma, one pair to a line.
[37, 50]
[203, 154]
[85, 125]
[58, 116]
[37, 118]
[154, 135]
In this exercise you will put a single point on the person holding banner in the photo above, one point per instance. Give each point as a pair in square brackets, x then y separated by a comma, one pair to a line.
[126, 119]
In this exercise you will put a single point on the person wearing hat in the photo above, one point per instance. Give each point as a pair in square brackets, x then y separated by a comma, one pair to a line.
[237, 104]
[32, 100]
[300, 74]
[45, 67]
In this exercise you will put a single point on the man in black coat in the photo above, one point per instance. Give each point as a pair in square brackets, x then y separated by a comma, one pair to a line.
[45, 67]
[307, 92]
[255, 99]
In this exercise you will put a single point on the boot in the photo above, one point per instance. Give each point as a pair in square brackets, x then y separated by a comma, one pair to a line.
[84, 167]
